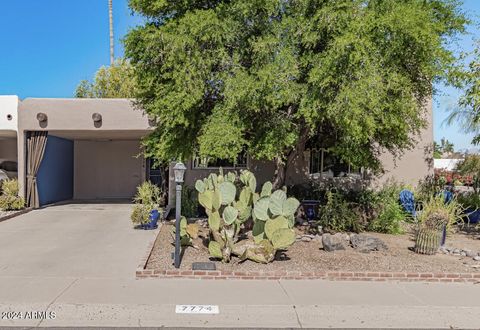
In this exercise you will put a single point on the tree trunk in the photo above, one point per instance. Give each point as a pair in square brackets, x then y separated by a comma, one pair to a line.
[110, 18]
[281, 166]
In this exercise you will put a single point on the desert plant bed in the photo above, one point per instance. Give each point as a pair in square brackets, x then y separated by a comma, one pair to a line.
[307, 255]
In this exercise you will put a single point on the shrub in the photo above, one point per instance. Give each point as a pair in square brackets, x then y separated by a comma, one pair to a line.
[189, 202]
[9, 199]
[147, 198]
[337, 214]
[390, 214]
[469, 200]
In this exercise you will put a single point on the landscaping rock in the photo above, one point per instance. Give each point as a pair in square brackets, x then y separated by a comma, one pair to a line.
[477, 258]
[306, 239]
[471, 254]
[366, 243]
[333, 242]
[463, 254]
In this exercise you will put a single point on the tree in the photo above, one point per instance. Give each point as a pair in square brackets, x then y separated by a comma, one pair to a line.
[437, 150]
[467, 114]
[471, 166]
[446, 147]
[115, 81]
[266, 76]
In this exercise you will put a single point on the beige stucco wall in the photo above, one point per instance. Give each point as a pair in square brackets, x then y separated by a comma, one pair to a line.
[107, 169]
[8, 149]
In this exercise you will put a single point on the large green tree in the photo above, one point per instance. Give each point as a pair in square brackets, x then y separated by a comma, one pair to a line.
[266, 76]
[114, 81]
[467, 114]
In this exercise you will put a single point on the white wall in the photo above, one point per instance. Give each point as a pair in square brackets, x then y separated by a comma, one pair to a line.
[8, 114]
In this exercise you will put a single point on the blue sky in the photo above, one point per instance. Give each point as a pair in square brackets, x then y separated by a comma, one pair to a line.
[48, 46]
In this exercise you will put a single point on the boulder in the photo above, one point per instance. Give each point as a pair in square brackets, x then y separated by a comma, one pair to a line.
[333, 242]
[366, 243]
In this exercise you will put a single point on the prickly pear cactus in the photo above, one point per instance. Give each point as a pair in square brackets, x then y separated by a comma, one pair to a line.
[227, 207]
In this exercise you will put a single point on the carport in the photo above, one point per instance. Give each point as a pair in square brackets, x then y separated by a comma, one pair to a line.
[82, 149]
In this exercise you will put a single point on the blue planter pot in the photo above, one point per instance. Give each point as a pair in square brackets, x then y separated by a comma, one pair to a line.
[311, 209]
[154, 216]
[472, 215]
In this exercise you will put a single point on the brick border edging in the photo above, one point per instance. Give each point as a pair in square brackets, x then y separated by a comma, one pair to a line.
[13, 215]
[296, 275]
[142, 272]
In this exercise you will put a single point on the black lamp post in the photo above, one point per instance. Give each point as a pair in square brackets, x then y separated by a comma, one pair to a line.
[179, 171]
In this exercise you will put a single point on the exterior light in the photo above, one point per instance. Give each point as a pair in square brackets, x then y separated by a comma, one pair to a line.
[41, 117]
[97, 117]
[179, 171]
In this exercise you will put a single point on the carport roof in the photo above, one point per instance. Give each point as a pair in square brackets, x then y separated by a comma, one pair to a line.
[75, 114]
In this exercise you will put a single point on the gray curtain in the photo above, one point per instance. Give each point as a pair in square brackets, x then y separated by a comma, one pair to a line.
[36, 142]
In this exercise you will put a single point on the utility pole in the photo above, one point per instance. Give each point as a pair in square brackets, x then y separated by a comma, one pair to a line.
[110, 16]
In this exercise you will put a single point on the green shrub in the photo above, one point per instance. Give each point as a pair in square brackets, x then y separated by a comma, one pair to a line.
[469, 200]
[390, 214]
[337, 214]
[189, 202]
[147, 198]
[436, 212]
[9, 199]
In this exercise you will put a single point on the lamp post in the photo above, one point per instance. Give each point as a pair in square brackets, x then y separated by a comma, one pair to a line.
[179, 171]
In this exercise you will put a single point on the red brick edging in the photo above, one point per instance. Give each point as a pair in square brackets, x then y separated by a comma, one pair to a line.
[142, 272]
[296, 275]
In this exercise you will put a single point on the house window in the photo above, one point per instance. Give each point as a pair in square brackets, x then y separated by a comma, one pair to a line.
[328, 165]
[209, 162]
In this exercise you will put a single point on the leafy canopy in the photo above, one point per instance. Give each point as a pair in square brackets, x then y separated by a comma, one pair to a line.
[115, 81]
[467, 114]
[222, 76]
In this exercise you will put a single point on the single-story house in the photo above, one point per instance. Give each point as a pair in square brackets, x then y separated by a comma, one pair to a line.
[8, 136]
[89, 149]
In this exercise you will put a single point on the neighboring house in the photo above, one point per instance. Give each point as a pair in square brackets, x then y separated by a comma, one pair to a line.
[8, 136]
[89, 149]
[446, 164]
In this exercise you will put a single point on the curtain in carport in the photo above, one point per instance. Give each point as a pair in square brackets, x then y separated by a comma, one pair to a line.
[36, 142]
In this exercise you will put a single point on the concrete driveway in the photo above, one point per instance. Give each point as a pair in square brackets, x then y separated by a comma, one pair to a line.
[72, 241]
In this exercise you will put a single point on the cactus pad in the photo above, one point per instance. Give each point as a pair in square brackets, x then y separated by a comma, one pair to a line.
[266, 189]
[272, 225]
[214, 221]
[277, 199]
[200, 186]
[215, 250]
[290, 206]
[230, 214]
[260, 208]
[258, 231]
[228, 192]
[283, 238]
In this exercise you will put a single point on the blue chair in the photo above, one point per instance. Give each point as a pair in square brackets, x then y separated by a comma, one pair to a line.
[408, 202]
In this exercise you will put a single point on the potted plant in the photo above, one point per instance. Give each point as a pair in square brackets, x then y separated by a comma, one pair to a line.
[434, 222]
[471, 204]
[146, 210]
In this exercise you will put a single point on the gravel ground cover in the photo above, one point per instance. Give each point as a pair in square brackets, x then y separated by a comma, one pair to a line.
[308, 255]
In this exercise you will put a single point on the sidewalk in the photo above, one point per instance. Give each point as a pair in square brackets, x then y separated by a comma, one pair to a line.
[255, 304]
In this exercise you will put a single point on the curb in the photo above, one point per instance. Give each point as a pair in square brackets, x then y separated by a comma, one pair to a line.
[13, 215]
[143, 262]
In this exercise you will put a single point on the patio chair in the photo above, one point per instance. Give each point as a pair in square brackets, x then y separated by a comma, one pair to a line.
[407, 200]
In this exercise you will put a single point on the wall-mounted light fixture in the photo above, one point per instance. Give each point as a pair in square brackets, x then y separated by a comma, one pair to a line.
[97, 117]
[42, 117]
